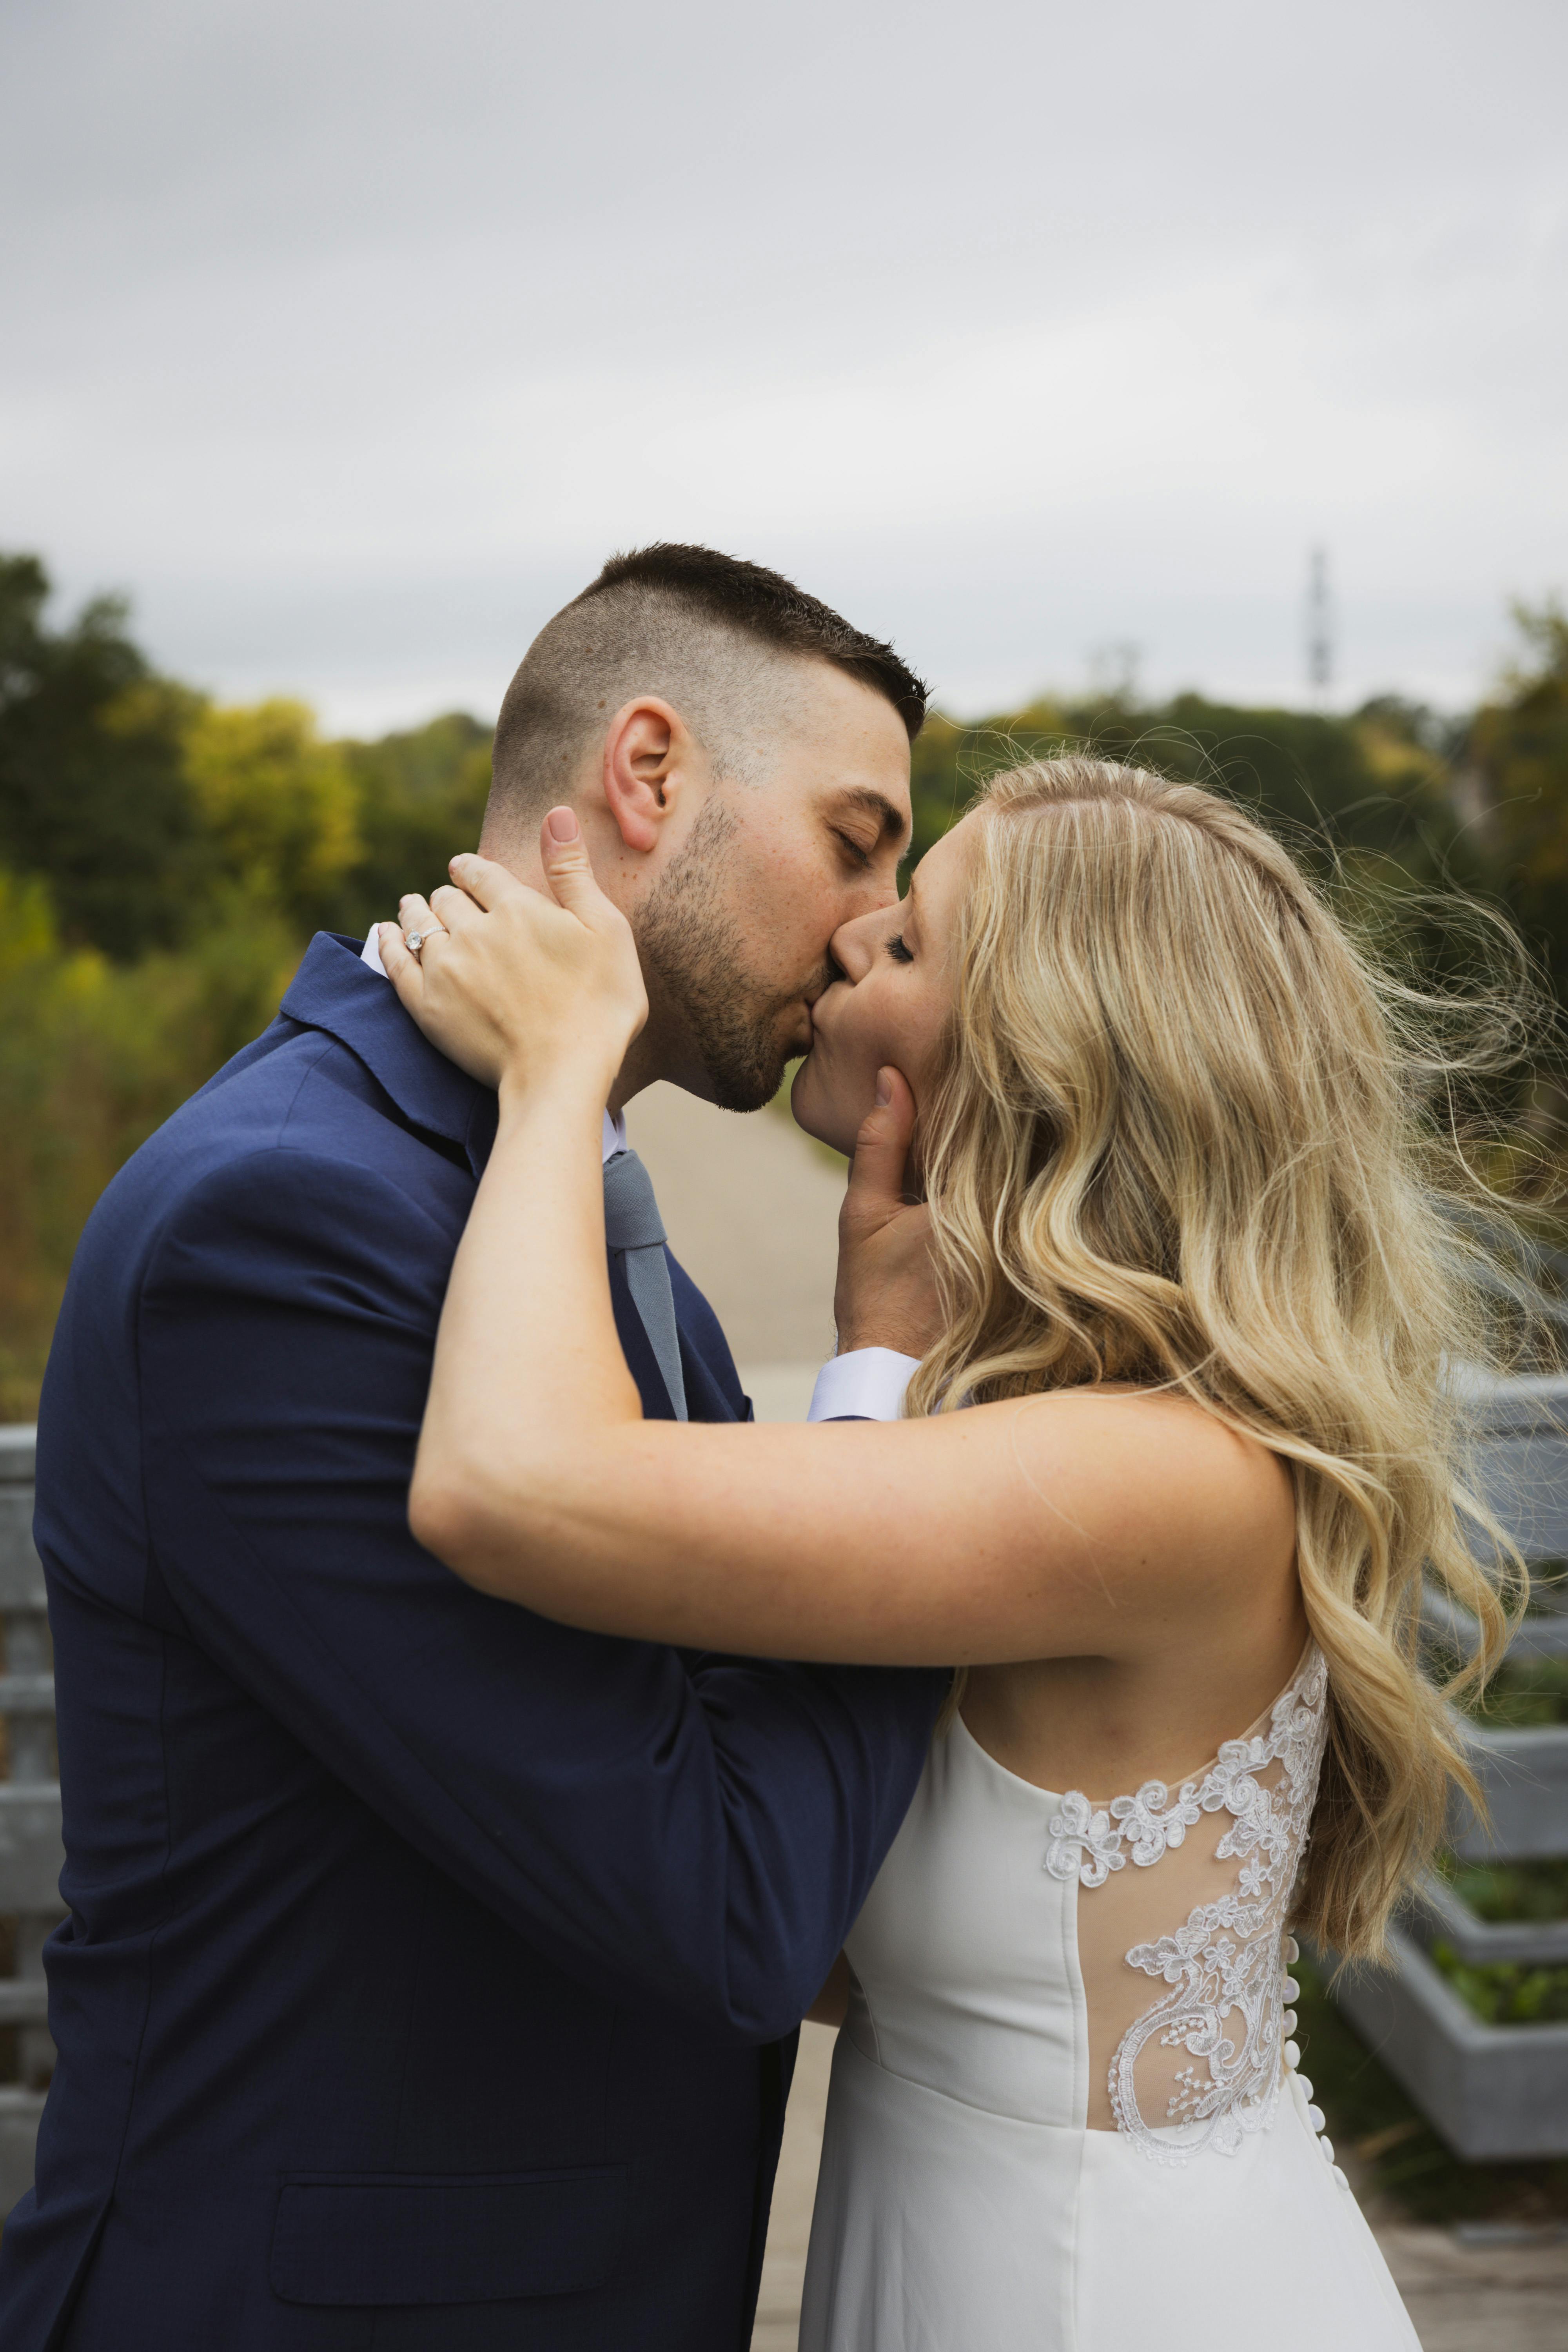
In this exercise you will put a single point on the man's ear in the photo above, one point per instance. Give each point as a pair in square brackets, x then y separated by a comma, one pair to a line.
[646, 748]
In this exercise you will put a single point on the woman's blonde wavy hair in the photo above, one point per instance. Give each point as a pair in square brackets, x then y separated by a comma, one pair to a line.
[1185, 1135]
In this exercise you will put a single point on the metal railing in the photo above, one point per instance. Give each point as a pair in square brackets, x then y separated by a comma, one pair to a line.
[30, 1850]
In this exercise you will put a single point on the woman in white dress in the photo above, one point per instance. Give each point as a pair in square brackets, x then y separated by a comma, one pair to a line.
[1192, 1292]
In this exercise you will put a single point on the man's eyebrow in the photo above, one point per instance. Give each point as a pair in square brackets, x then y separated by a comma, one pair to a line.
[892, 822]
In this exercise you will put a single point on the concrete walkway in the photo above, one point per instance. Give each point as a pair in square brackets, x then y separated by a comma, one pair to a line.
[1475, 2290]
[752, 1208]
[789, 2232]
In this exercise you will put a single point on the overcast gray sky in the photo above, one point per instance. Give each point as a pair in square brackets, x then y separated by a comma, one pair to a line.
[349, 336]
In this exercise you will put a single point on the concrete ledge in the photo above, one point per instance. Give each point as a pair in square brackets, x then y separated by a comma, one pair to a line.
[18, 1452]
[1483, 1943]
[23, 2001]
[22, 1583]
[1524, 1775]
[32, 1855]
[1496, 2093]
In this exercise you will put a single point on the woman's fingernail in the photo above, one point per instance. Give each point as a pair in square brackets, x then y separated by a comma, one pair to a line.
[563, 824]
[884, 1090]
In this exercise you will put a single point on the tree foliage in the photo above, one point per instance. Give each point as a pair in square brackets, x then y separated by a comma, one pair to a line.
[277, 806]
[1376, 784]
[93, 795]
[93, 1056]
[151, 812]
[164, 859]
[1516, 763]
[420, 797]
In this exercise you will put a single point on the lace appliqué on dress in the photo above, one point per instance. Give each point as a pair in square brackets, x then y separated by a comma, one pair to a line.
[1089, 1844]
[1225, 1966]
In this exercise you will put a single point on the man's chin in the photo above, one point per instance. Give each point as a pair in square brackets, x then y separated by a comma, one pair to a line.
[748, 1085]
[734, 1094]
[745, 1073]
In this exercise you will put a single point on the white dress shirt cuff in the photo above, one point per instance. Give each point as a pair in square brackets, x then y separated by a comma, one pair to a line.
[868, 1384]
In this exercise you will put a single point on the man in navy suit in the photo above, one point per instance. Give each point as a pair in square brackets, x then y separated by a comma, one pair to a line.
[432, 1972]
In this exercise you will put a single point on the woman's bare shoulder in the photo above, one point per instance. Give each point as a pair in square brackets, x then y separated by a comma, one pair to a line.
[1156, 1458]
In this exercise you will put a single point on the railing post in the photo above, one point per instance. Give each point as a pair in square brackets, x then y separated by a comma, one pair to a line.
[30, 1853]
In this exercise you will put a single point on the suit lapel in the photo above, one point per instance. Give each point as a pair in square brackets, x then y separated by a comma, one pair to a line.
[334, 992]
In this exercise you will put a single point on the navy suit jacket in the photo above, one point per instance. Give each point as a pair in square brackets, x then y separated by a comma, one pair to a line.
[432, 1972]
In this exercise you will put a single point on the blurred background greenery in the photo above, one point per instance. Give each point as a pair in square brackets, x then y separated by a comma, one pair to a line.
[163, 861]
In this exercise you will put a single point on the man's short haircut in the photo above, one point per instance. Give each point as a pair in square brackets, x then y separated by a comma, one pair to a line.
[702, 631]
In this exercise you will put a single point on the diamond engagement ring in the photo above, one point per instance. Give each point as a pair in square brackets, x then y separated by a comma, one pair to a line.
[415, 940]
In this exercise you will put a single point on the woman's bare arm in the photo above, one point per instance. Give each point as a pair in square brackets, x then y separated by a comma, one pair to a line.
[1057, 1526]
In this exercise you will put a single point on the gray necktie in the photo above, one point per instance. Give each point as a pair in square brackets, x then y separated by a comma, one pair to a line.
[634, 1226]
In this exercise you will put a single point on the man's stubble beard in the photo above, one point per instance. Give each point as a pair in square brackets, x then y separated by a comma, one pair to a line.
[692, 945]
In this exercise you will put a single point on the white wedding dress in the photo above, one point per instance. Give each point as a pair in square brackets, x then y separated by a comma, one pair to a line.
[1030, 1966]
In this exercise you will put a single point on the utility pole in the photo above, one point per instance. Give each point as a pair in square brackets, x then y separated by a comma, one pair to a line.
[1319, 627]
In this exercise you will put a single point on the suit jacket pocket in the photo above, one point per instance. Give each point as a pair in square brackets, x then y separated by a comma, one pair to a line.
[402, 2238]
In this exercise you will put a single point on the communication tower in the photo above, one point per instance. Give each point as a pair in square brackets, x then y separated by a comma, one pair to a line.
[1319, 627]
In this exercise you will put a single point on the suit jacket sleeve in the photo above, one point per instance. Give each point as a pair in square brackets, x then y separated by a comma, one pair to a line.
[703, 1838]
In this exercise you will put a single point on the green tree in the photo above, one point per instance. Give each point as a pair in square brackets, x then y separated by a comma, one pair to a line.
[421, 797]
[1376, 785]
[277, 806]
[93, 1056]
[1517, 755]
[93, 792]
